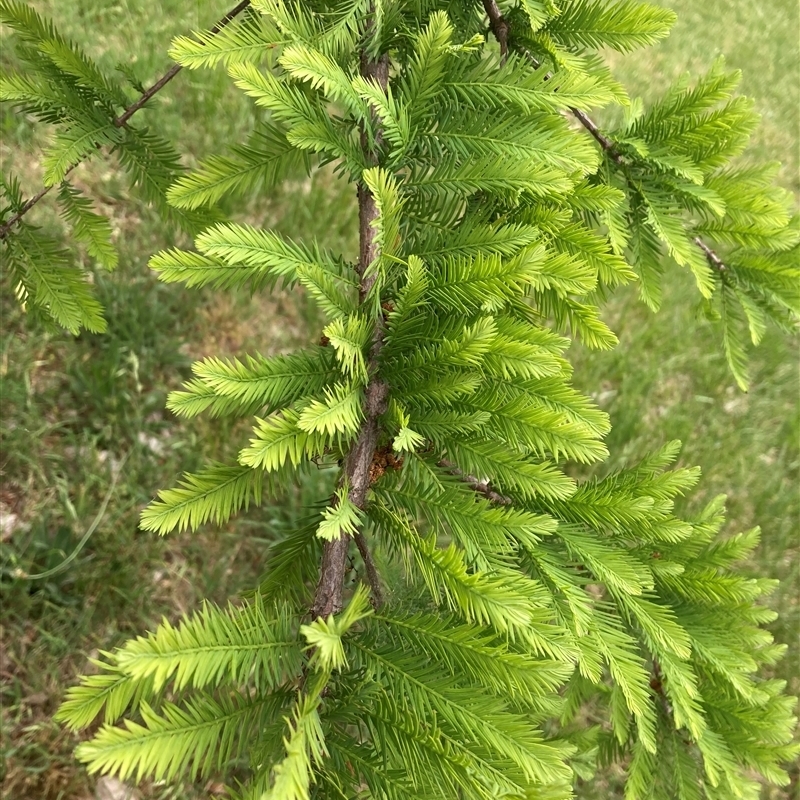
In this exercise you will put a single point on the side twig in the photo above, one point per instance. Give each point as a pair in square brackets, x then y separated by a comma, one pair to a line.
[606, 143]
[148, 94]
[26, 207]
[501, 28]
[176, 68]
[122, 119]
[476, 484]
[711, 256]
[373, 577]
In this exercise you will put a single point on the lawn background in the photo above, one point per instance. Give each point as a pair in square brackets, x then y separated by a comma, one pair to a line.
[72, 409]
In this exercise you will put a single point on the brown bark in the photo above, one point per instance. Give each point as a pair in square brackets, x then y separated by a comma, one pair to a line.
[328, 595]
[499, 26]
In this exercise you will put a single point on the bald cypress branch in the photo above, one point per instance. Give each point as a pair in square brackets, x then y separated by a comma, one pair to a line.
[121, 120]
[328, 595]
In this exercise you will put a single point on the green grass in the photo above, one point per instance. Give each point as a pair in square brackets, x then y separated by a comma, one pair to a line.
[74, 407]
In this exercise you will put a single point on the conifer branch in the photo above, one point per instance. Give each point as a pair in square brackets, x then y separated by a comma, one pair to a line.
[122, 119]
[501, 28]
[610, 147]
[451, 700]
[328, 595]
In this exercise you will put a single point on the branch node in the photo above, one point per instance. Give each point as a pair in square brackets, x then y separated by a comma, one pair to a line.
[711, 256]
[476, 484]
[499, 25]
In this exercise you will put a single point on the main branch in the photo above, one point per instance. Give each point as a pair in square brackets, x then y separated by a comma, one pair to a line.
[328, 596]
[121, 120]
[499, 25]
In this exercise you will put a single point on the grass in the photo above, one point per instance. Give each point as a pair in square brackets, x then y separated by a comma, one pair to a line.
[74, 408]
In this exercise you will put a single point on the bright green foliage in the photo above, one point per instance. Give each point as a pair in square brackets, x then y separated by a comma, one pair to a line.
[46, 281]
[263, 162]
[214, 494]
[624, 25]
[341, 519]
[536, 628]
[248, 41]
[238, 255]
[63, 87]
[672, 161]
[239, 388]
[87, 227]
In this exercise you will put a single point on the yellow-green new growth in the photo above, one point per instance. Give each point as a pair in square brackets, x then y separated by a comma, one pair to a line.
[513, 598]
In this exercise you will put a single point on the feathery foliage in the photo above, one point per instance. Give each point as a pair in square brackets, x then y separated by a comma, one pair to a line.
[512, 602]
[65, 88]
